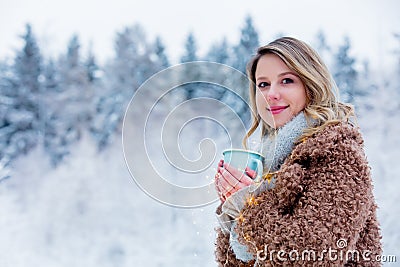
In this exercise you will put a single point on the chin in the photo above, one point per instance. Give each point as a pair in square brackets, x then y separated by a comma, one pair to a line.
[279, 123]
[274, 123]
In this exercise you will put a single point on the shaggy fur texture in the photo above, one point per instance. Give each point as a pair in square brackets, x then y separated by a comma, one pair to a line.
[323, 193]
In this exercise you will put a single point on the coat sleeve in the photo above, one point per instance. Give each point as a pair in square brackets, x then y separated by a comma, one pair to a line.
[224, 254]
[321, 202]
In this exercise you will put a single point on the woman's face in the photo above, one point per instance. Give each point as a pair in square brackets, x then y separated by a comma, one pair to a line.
[280, 94]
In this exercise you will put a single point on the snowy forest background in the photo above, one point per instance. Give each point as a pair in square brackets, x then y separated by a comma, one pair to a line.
[66, 197]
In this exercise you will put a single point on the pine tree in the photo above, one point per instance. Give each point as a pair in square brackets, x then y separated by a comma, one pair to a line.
[161, 58]
[51, 78]
[53, 143]
[247, 45]
[21, 90]
[395, 95]
[76, 93]
[190, 72]
[397, 53]
[190, 53]
[6, 105]
[345, 73]
[92, 68]
[69, 100]
[392, 87]
[123, 75]
[242, 53]
[219, 52]
[322, 47]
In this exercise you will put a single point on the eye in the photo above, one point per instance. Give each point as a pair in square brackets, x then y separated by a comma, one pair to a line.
[262, 85]
[287, 80]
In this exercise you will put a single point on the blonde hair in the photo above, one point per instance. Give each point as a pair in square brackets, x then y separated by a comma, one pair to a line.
[321, 91]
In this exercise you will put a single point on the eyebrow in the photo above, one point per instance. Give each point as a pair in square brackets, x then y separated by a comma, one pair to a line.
[287, 72]
[279, 75]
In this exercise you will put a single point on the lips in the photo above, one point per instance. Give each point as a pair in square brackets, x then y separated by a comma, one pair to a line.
[277, 109]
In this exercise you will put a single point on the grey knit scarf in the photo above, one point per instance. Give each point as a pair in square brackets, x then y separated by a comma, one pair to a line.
[277, 146]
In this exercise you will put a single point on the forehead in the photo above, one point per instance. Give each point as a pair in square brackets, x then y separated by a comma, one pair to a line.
[270, 65]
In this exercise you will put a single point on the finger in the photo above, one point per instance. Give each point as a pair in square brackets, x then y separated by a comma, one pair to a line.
[221, 196]
[239, 175]
[221, 163]
[217, 182]
[233, 171]
[223, 190]
[230, 178]
[223, 185]
[229, 183]
[219, 189]
[226, 188]
[251, 173]
[218, 175]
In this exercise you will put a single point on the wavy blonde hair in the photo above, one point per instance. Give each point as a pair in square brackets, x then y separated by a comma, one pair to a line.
[321, 91]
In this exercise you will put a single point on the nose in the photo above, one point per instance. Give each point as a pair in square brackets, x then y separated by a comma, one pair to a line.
[273, 93]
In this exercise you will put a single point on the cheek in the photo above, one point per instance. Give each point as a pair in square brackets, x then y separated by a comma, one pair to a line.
[301, 100]
[262, 105]
[261, 102]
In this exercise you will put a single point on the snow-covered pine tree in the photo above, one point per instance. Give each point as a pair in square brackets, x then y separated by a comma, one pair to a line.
[53, 142]
[92, 68]
[160, 56]
[134, 62]
[242, 53]
[323, 48]
[75, 82]
[366, 91]
[219, 52]
[191, 72]
[247, 45]
[345, 73]
[397, 55]
[190, 53]
[6, 104]
[21, 92]
[389, 97]
[69, 99]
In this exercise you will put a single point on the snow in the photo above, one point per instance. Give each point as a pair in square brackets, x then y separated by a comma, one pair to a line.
[89, 212]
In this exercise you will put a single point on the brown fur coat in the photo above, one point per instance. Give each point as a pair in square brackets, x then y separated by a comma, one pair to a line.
[322, 202]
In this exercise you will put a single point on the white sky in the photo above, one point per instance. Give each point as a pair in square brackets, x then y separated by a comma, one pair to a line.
[369, 23]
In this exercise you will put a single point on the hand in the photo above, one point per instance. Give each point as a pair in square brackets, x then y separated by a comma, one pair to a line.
[228, 179]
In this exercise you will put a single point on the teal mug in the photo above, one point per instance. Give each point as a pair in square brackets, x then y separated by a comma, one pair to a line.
[241, 158]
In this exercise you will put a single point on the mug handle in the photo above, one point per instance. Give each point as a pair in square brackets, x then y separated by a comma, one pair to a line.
[259, 168]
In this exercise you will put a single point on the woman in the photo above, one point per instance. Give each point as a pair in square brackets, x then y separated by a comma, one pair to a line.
[315, 206]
